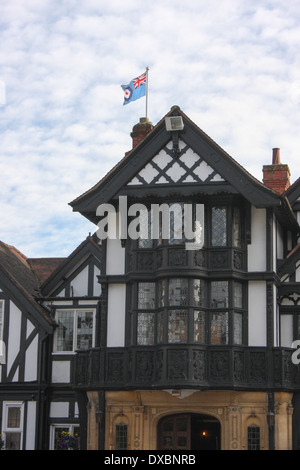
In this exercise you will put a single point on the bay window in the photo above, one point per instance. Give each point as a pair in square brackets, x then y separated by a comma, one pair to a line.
[185, 310]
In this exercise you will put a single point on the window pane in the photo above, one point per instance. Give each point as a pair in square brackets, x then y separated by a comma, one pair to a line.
[236, 227]
[237, 328]
[177, 326]
[65, 331]
[121, 437]
[219, 294]
[145, 329]
[253, 438]
[238, 295]
[162, 292]
[176, 223]
[198, 293]
[84, 330]
[219, 328]
[13, 440]
[146, 295]
[219, 226]
[178, 292]
[199, 327]
[145, 240]
[13, 417]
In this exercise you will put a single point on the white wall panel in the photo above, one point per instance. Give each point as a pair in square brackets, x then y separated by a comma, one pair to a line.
[257, 248]
[30, 425]
[61, 372]
[31, 359]
[286, 330]
[116, 307]
[80, 283]
[257, 313]
[13, 347]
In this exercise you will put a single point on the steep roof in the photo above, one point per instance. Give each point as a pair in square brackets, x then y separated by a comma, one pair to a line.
[17, 275]
[232, 174]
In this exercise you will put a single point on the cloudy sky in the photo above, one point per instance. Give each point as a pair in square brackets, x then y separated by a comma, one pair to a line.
[233, 66]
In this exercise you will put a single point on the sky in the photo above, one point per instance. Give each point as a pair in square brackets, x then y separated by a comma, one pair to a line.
[233, 67]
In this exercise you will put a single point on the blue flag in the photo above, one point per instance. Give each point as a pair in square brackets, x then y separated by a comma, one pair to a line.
[135, 89]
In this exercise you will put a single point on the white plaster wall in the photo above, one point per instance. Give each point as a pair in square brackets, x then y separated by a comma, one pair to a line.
[30, 425]
[59, 409]
[97, 286]
[115, 253]
[279, 242]
[286, 322]
[31, 359]
[257, 248]
[116, 315]
[61, 372]
[80, 283]
[257, 313]
[13, 347]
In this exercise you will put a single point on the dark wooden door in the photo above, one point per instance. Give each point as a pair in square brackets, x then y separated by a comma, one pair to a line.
[175, 432]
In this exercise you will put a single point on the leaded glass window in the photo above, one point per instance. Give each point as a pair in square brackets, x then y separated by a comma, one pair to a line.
[219, 328]
[219, 226]
[237, 328]
[219, 294]
[236, 227]
[198, 293]
[199, 327]
[253, 438]
[145, 239]
[178, 292]
[146, 295]
[177, 326]
[65, 331]
[176, 224]
[75, 330]
[237, 295]
[190, 311]
[145, 328]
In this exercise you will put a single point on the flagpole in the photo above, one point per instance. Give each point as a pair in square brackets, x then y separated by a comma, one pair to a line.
[147, 69]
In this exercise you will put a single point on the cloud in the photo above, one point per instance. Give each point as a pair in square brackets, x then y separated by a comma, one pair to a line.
[232, 66]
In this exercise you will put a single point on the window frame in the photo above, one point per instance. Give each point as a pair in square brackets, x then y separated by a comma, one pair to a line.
[13, 430]
[68, 427]
[75, 312]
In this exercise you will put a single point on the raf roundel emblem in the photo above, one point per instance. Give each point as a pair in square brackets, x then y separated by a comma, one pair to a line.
[127, 93]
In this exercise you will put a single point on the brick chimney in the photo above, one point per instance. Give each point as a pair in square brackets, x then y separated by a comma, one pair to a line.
[277, 175]
[140, 131]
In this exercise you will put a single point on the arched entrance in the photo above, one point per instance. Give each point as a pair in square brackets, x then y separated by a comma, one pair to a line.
[188, 432]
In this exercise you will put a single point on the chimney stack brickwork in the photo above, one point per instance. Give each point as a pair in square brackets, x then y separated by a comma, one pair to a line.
[277, 175]
[140, 131]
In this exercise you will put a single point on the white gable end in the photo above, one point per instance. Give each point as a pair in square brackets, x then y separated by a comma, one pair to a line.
[164, 168]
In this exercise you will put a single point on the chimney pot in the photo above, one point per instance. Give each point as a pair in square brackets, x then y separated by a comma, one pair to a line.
[276, 156]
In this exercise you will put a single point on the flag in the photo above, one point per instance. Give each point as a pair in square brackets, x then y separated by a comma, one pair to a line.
[135, 89]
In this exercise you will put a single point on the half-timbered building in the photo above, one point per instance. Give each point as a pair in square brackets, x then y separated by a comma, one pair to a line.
[176, 327]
